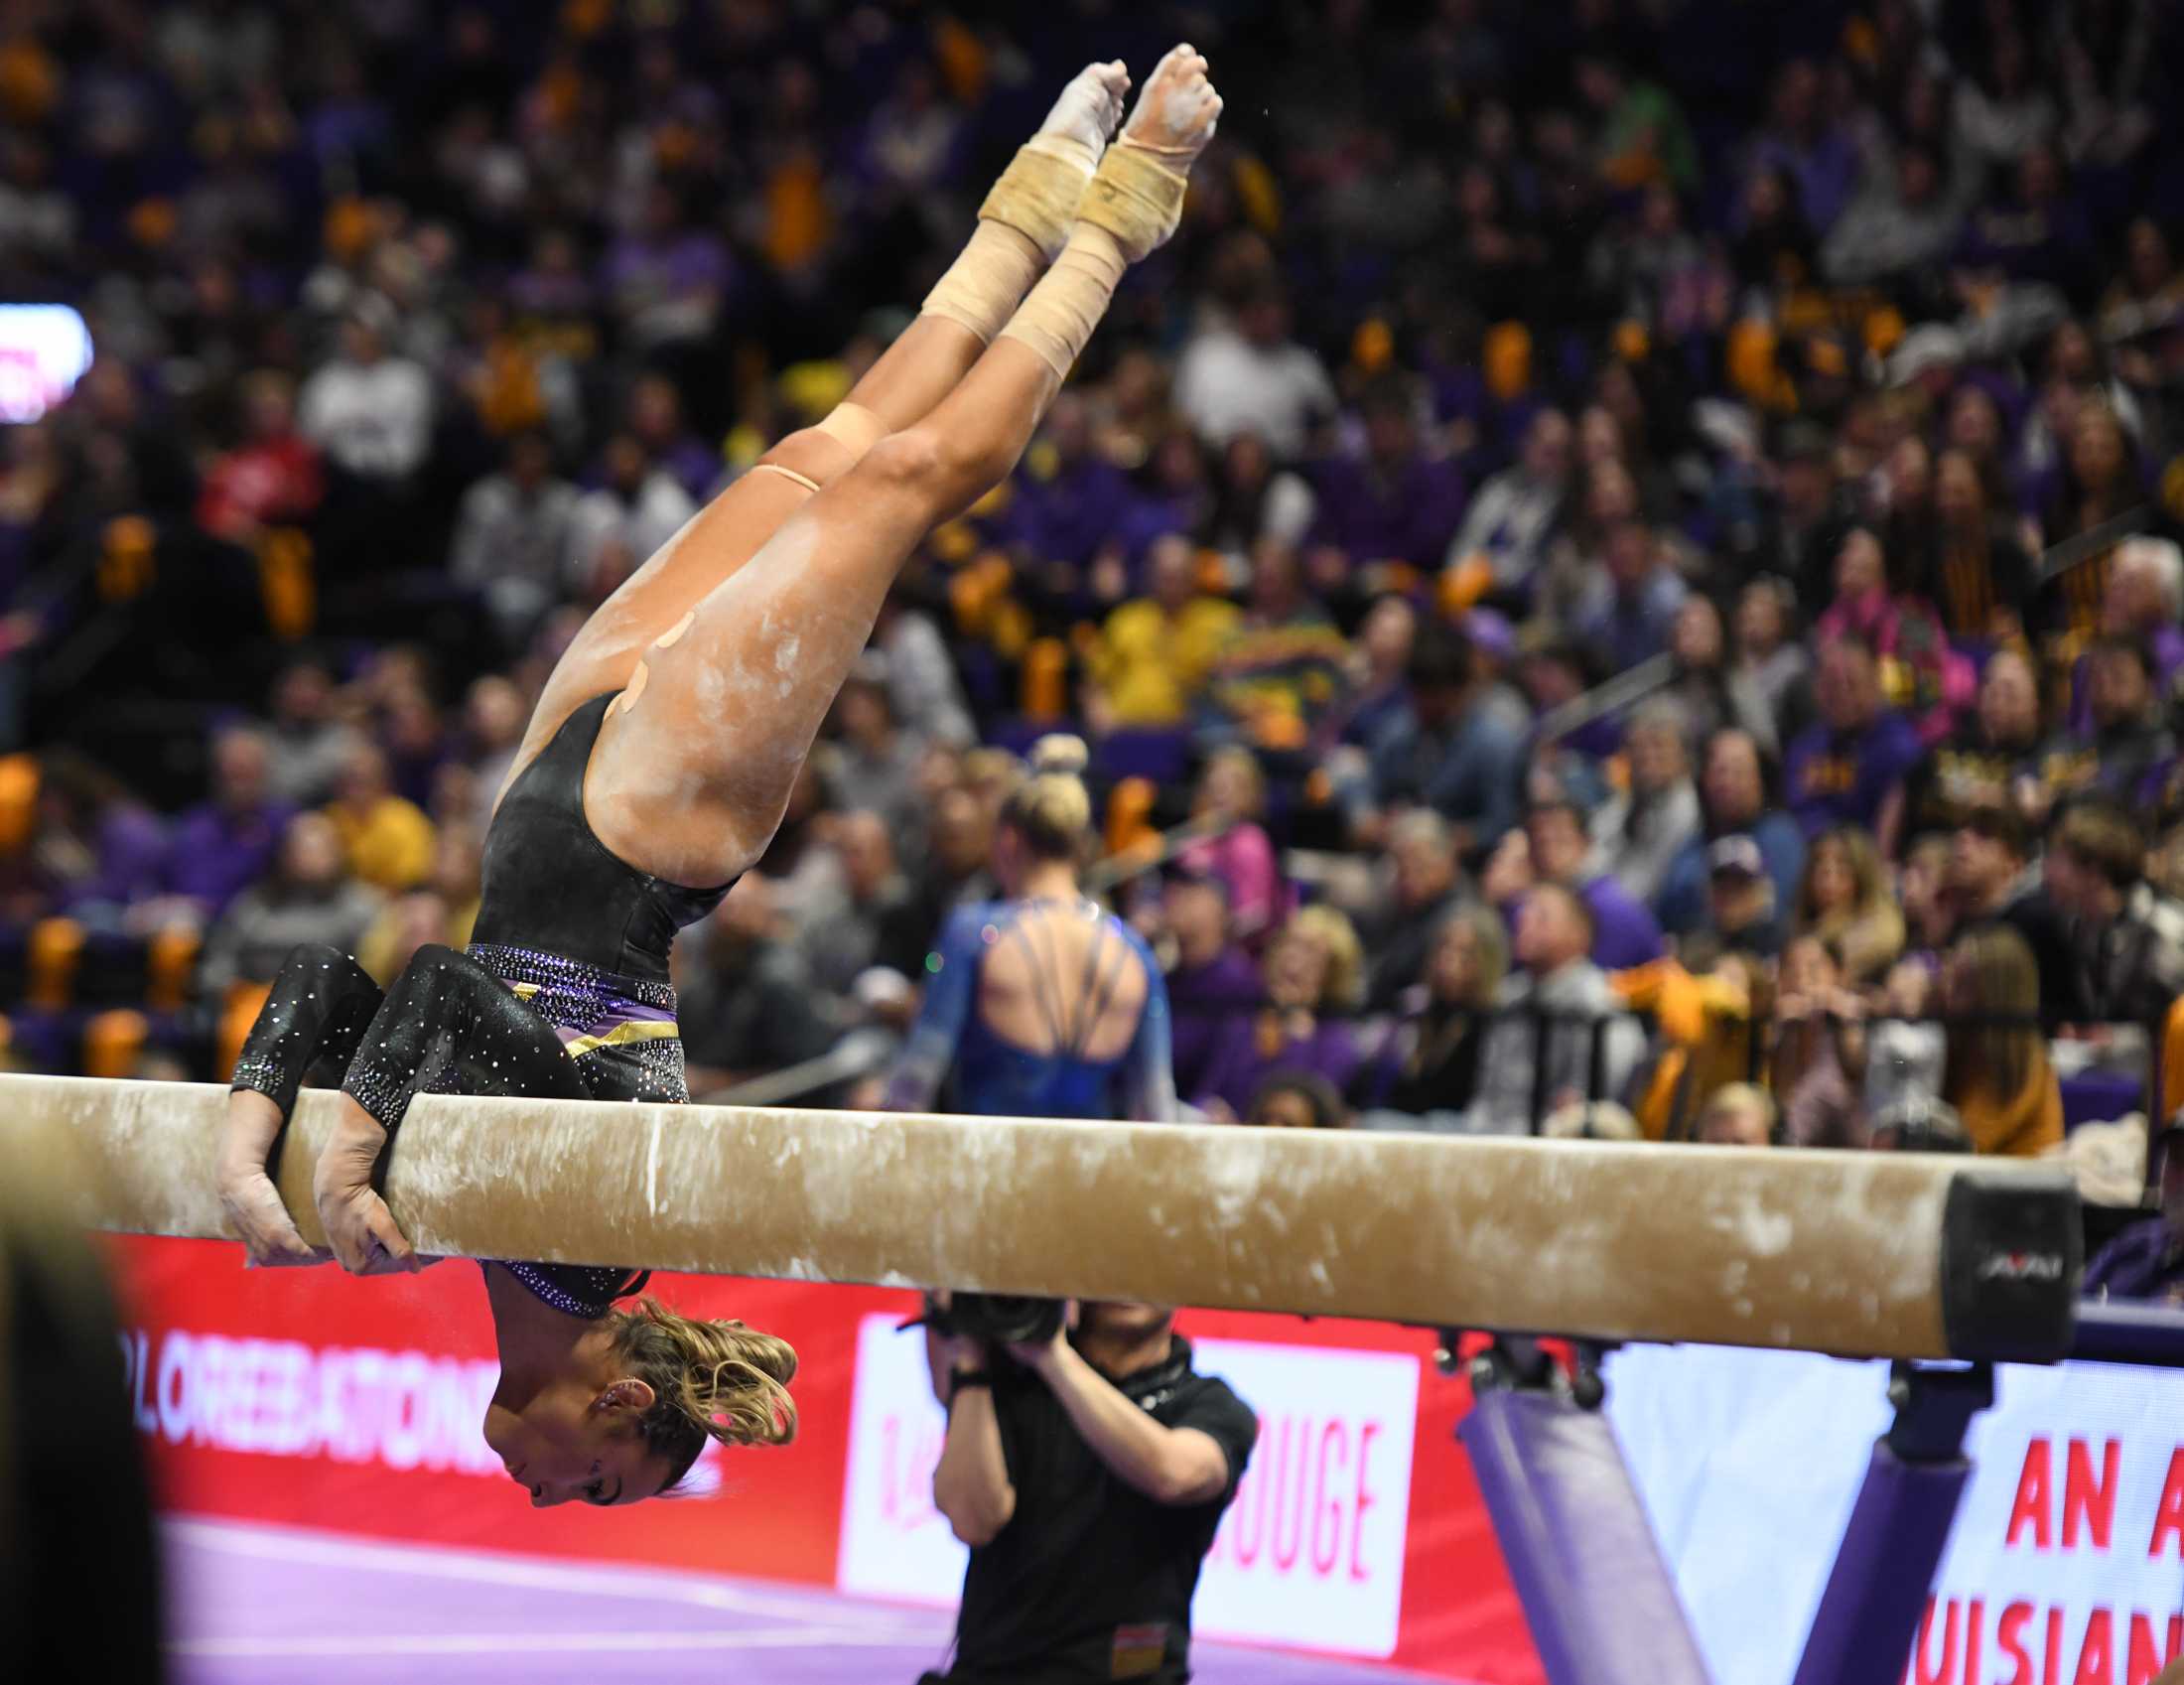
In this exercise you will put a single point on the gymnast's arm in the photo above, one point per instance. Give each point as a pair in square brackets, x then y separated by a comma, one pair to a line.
[971, 1484]
[319, 1006]
[1148, 1068]
[949, 991]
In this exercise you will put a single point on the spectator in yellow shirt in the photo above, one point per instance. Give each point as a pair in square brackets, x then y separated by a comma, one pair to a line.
[389, 841]
[1154, 652]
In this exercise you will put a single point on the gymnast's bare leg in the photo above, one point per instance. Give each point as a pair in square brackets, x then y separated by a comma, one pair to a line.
[695, 759]
[1022, 226]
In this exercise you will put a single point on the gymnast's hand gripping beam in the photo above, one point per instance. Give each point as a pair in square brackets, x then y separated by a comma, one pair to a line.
[1860, 1254]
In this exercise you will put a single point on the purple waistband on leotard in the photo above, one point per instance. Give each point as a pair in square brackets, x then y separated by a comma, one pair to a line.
[587, 1008]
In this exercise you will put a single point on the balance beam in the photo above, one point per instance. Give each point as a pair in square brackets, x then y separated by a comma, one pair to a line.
[1860, 1254]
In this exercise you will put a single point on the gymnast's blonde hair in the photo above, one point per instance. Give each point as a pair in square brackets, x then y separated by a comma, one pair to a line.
[716, 1380]
[1052, 809]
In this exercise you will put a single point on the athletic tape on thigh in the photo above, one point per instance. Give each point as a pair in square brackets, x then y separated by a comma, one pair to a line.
[803, 480]
[854, 428]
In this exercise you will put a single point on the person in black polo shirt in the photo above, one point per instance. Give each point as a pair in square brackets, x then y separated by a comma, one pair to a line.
[1088, 1476]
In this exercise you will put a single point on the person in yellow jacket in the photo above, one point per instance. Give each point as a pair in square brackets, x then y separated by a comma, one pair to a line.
[388, 840]
[1152, 655]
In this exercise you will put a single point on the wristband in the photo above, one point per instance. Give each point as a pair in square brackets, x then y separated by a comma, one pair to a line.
[960, 1378]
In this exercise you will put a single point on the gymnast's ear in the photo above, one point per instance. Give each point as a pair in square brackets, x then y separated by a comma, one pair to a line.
[627, 1394]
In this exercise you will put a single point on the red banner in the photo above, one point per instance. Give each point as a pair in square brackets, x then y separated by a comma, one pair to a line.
[306, 1398]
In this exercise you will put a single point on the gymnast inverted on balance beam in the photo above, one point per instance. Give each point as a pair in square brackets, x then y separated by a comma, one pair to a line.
[660, 757]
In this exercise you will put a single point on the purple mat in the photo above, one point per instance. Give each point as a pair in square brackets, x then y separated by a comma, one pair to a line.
[265, 1606]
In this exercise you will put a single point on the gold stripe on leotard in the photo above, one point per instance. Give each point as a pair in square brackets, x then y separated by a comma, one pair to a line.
[622, 1036]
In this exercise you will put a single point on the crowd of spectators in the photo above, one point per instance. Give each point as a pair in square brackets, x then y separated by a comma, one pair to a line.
[1824, 375]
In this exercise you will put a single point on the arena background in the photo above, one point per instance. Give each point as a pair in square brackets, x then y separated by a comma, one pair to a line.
[350, 352]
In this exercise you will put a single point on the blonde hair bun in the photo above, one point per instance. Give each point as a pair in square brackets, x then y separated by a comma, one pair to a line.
[1060, 752]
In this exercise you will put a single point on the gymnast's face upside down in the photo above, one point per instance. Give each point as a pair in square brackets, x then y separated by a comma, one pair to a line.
[615, 1409]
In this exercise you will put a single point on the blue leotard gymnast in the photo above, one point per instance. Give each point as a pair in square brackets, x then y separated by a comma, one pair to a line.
[989, 1074]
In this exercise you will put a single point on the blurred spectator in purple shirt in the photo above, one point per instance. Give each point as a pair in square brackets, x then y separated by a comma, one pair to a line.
[1314, 967]
[1212, 980]
[1804, 142]
[94, 851]
[666, 279]
[1395, 503]
[221, 846]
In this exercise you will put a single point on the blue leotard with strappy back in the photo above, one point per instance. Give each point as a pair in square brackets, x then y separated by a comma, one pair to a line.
[988, 1074]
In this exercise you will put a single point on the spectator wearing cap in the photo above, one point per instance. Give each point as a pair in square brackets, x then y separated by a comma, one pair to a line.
[2146, 1260]
[1553, 1017]
[1639, 832]
[1211, 979]
[1742, 913]
[2127, 938]
[1552, 848]
[2126, 746]
[369, 412]
[1314, 969]
[1735, 801]
[1507, 526]
[1989, 882]
[1458, 748]
[1850, 763]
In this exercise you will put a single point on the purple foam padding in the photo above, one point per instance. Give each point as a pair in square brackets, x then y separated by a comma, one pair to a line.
[1595, 1589]
[1869, 1617]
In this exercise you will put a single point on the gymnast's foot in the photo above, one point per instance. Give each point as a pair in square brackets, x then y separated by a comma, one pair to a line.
[1085, 118]
[1177, 112]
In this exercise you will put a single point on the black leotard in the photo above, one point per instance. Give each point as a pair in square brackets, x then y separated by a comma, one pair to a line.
[551, 885]
[563, 993]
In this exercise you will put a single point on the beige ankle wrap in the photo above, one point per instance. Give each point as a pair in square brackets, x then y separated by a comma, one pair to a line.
[1136, 196]
[1022, 226]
